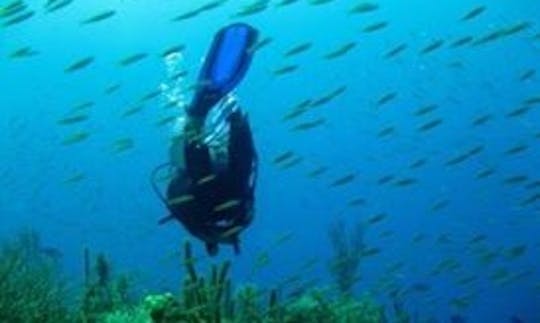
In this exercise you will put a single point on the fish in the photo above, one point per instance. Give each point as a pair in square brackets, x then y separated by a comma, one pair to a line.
[377, 218]
[287, 69]
[368, 252]
[260, 44]
[423, 110]
[75, 178]
[503, 32]
[458, 159]
[23, 52]
[430, 125]
[473, 13]
[358, 201]
[112, 88]
[531, 199]
[343, 180]
[308, 125]
[533, 100]
[12, 8]
[515, 179]
[457, 318]
[298, 49]
[252, 9]
[55, 5]
[76, 137]
[418, 163]
[518, 149]
[298, 110]
[518, 112]
[377, 26]
[18, 19]
[123, 144]
[226, 205]
[440, 205]
[328, 97]
[527, 75]
[491, 37]
[150, 95]
[485, 173]
[284, 3]
[516, 28]
[434, 45]
[420, 287]
[79, 65]
[173, 50]
[481, 120]
[82, 106]
[364, 7]
[408, 181]
[232, 231]
[132, 111]
[475, 150]
[478, 238]
[533, 185]
[132, 59]
[51, 252]
[166, 120]
[206, 179]
[73, 119]
[387, 98]
[319, 2]
[291, 162]
[386, 179]
[104, 15]
[386, 132]
[317, 171]
[283, 157]
[419, 237]
[187, 15]
[395, 51]
[341, 51]
[515, 251]
[186, 198]
[460, 42]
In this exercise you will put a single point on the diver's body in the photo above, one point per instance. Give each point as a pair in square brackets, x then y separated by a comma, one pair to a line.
[214, 197]
[215, 203]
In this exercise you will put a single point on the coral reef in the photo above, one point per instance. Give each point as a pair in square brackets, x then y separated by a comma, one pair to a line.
[30, 289]
[348, 248]
[211, 300]
[103, 294]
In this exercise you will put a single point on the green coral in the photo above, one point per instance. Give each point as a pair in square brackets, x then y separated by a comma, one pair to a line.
[32, 292]
[103, 294]
[210, 299]
[30, 288]
[316, 307]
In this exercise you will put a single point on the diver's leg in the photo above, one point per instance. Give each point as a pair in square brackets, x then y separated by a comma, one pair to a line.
[211, 248]
[242, 154]
[198, 161]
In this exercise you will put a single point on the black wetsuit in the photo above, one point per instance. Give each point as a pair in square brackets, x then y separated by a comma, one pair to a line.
[215, 204]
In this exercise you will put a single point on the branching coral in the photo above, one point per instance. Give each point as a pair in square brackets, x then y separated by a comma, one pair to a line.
[30, 290]
[347, 247]
[103, 293]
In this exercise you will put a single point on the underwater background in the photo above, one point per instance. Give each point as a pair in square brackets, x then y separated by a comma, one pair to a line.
[417, 121]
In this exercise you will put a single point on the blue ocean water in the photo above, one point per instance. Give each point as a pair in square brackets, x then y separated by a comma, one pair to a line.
[88, 194]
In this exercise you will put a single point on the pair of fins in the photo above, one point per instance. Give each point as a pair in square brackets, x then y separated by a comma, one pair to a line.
[224, 67]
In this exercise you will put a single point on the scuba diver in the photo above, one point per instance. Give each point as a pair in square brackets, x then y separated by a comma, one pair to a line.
[213, 181]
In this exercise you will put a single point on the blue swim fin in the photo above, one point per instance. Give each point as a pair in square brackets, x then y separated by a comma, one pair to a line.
[224, 67]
